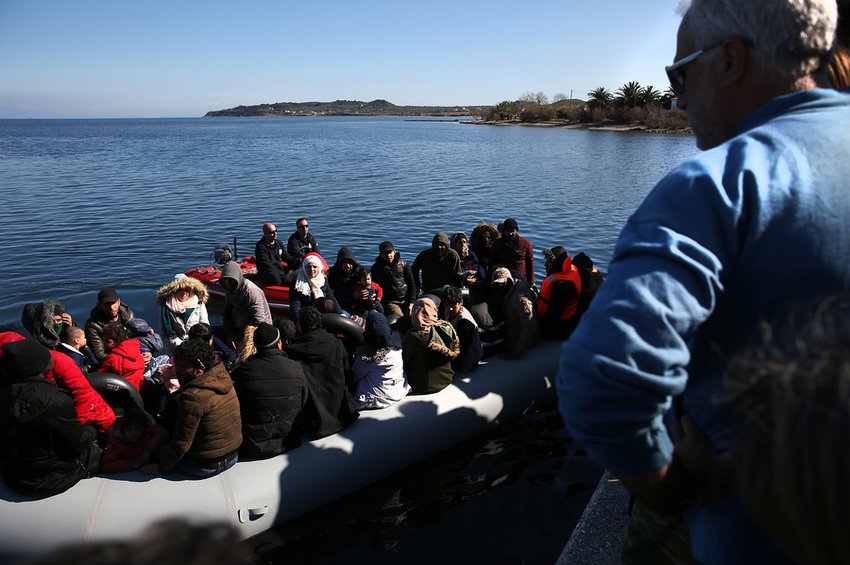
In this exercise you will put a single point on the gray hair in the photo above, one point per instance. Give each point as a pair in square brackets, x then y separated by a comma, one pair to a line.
[792, 38]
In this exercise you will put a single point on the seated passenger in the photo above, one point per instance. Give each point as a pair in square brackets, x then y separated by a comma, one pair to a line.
[208, 430]
[436, 267]
[182, 304]
[429, 348]
[378, 371]
[557, 304]
[45, 449]
[514, 252]
[109, 309]
[301, 243]
[518, 310]
[310, 285]
[471, 350]
[366, 294]
[591, 280]
[329, 406]
[393, 275]
[73, 344]
[342, 277]
[271, 255]
[472, 269]
[45, 321]
[150, 343]
[483, 237]
[132, 445]
[124, 355]
[272, 391]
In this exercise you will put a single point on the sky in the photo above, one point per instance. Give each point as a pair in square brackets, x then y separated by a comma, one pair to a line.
[182, 58]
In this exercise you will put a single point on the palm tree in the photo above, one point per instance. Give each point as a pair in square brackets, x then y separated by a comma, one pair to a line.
[630, 94]
[651, 96]
[600, 98]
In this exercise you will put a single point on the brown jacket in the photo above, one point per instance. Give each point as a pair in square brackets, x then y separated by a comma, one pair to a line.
[208, 424]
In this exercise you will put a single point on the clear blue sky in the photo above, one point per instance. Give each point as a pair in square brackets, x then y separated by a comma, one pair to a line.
[158, 58]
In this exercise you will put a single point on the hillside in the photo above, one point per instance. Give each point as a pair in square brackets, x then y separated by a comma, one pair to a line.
[344, 108]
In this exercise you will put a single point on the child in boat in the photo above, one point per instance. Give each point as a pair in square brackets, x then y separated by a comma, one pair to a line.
[73, 344]
[366, 294]
[123, 354]
[134, 443]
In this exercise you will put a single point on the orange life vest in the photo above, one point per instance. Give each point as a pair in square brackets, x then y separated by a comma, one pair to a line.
[568, 273]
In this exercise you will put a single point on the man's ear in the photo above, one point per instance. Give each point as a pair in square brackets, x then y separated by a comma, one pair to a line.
[735, 60]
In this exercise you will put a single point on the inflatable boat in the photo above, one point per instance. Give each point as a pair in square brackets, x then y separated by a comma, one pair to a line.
[253, 496]
[277, 296]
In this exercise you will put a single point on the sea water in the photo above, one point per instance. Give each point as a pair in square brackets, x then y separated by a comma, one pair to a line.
[129, 203]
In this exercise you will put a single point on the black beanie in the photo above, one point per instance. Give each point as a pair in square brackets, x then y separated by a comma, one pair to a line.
[23, 359]
[266, 336]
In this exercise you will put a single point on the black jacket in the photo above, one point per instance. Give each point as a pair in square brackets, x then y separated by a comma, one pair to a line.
[95, 325]
[45, 449]
[268, 257]
[272, 391]
[341, 283]
[330, 406]
[396, 280]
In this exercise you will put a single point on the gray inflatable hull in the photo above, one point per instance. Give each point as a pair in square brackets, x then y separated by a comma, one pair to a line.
[255, 495]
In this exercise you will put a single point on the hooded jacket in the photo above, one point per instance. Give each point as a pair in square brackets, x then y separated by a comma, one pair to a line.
[208, 425]
[437, 268]
[95, 324]
[343, 284]
[125, 360]
[272, 391]
[175, 325]
[558, 300]
[37, 318]
[247, 306]
[45, 449]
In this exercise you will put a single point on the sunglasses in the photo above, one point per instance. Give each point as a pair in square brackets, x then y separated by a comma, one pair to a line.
[676, 71]
[304, 226]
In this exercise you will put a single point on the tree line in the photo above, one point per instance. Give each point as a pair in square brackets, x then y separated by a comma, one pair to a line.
[631, 103]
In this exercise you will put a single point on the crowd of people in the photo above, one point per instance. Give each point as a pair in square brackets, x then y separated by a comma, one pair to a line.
[200, 397]
[729, 437]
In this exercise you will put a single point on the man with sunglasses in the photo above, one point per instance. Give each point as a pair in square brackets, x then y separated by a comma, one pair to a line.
[301, 242]
[741, 232]
[270, 252]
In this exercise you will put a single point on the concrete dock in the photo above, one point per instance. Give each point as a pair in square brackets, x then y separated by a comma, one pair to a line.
[599, 534]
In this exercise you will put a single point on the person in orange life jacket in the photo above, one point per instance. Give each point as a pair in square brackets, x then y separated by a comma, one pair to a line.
[557, 303]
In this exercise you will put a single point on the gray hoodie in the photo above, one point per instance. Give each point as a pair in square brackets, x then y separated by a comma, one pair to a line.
[247, 306]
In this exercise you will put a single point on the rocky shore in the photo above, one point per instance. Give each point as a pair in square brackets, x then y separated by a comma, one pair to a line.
[593, 126]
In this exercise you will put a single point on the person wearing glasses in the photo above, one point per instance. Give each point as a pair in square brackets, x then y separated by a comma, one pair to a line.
[752, 225]
[301, 242]
[270, 255]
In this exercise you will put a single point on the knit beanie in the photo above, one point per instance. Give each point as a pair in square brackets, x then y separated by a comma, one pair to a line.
[266, 336]
[23, 359]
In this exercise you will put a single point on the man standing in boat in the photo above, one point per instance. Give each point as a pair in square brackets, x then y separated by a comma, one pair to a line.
[301, 242]
[704, 259]
[269, 253]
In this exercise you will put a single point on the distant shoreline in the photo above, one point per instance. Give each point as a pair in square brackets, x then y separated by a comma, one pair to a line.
[592, 126]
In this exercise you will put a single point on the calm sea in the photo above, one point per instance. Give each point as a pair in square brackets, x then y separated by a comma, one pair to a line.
[129, 203]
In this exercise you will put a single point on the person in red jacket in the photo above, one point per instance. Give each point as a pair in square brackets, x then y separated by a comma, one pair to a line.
[513, 251]
[123, 355]
[138, 436]
[90, 406]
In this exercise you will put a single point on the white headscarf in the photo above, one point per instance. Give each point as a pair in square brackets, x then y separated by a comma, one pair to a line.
[310, 286]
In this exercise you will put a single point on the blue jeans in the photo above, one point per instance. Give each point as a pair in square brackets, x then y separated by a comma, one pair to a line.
[192, 468]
